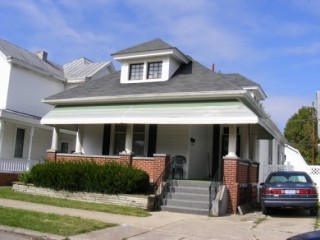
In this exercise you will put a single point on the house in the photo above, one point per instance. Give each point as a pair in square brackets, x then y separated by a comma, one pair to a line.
[318, 115]
[163, 103]
[27, 78]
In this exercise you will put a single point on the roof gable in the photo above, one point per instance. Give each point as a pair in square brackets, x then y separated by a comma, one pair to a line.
[192, 78]
[154, 45]
[23, 57]
[154, 48]
[83, 68]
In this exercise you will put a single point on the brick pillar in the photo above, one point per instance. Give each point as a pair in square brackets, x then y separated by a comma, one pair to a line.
[160, 162]
[230, 179]
[126, 158]
[253, 181]
[51, 155]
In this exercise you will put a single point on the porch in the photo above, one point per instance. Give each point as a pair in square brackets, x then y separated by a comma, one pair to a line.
[212, 135]
[239, 177]
[11, 168]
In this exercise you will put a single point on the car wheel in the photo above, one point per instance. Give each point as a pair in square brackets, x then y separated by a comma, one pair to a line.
[314, 212]
[265, 210]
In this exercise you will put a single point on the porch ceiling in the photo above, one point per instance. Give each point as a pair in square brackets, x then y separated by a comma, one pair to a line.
[219, 112]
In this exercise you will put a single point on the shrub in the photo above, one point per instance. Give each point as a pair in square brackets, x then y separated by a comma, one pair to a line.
[25, 177]
[88, 176]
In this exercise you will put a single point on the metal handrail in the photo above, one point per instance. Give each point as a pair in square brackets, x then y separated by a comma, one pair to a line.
[162, 176]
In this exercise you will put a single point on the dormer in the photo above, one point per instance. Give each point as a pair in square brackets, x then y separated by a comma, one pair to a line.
[153, 61]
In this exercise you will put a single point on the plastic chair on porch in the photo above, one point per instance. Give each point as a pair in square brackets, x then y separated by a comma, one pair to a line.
[177, 165]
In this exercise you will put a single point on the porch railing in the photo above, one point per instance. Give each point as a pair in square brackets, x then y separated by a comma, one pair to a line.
[16, 165]
[160, 184]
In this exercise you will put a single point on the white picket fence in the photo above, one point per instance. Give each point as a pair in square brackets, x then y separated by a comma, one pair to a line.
[312, 170]
[16, 165]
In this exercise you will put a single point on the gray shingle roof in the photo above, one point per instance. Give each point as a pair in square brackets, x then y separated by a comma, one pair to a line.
[192, 77]
[154, 45]
[12, 51]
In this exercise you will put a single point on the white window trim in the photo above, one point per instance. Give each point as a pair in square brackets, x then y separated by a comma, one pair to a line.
[125, 71]
[25, 141]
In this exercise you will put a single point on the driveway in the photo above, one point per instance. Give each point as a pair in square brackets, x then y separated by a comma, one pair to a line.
[253, 226]
[175, 226]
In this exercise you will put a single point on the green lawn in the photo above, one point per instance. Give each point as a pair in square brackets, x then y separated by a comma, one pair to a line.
[49, 223]
[6, 192]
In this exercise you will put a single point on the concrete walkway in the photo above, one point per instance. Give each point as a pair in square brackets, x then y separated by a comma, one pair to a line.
[174, 226]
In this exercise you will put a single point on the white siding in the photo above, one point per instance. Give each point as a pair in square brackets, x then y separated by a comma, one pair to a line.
[8, 140]
[173, 140]
[199, 162]
[70, 139]
[41, 143]
[92, 139]
[27, 89]
[173, 66]
[4, 82]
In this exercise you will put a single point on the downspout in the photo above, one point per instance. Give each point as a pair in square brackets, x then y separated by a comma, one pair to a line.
[30, 147]
[1, 135]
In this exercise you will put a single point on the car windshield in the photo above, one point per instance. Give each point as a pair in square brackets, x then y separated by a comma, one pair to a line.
[289, 177]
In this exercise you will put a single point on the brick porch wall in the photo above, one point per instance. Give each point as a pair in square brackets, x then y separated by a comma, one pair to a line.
[241, 179]
[154, 166]
[6, 179]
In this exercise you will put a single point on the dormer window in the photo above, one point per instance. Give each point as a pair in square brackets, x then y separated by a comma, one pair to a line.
[136, 71]
[146, 71]
[154, 70]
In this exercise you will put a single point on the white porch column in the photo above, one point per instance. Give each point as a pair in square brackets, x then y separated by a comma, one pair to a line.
[55, 139]
[232, 147]
[245, 145]
[79, 140]
[129, 138]
[1, 135]
[30, 147]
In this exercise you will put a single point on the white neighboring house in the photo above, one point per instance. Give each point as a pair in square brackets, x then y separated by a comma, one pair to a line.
[25, 79]
[318, 116]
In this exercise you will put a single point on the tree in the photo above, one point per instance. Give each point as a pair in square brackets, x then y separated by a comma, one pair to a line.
[301, 132]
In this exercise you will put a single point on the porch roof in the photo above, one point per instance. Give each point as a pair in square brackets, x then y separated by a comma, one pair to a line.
[213, 112]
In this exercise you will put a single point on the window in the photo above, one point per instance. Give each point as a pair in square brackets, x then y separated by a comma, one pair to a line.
[18, 151]
[154, 70]
[145, 71]
[136, 71]
[64, 147]
[119, 138]
[138, 139]
[138, 142]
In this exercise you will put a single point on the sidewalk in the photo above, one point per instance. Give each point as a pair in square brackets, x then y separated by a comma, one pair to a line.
[165, 225]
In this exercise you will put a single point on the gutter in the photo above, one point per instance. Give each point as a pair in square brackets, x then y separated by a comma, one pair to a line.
[151, 97]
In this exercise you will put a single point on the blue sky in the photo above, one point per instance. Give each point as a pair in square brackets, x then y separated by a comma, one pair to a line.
[275, 43]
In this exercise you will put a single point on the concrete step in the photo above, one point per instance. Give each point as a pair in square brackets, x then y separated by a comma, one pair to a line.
[188, 196]
[191, 190]
[190, 183]
[185, 210]
[187, 203]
